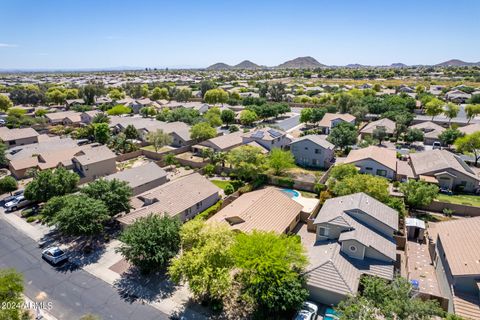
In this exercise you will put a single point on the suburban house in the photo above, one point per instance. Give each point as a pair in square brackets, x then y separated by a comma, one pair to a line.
[87, 116]
[64, 118]
[354, 237]
[267, 209]
[179, 131]
[72, 102]
[18, 137]
[184, 198]
[457, 96]
[374, 160]
[313, 151]
[221, 143]
[469, 129]
[431, 131]
[94, 162]
[267, 137]
[330, 120]
[385, 123]
[456, 261]
[201, 107]
[142, 178]
[445, 169]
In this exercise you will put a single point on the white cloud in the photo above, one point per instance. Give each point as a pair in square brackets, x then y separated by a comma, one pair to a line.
[7, 45]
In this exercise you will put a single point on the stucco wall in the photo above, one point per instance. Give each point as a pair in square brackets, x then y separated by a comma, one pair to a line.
[304, 153]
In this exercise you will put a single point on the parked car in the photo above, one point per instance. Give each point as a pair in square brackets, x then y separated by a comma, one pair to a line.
[437, 145]
[308, 311]
[13, 196]
[54, 255]
[446, 191]
[16, 203]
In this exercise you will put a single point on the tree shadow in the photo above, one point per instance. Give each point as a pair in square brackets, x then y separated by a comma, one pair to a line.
[83, 253]
[135, 286]
[193, 310]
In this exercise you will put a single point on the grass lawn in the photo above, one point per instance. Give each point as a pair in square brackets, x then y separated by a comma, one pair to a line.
[466, 199]
[152, 148]
[220, 183]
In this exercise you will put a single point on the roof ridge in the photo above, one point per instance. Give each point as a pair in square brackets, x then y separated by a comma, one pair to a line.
[338, 271]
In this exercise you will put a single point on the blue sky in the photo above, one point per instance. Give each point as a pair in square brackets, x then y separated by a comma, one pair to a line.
[176, 33]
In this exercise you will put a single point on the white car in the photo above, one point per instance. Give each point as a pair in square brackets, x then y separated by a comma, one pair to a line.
[54, 255]
[16, 203]
[308, 311]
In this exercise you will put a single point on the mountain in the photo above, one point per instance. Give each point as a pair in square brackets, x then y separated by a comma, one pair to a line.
[398, 65]
[457, 63]
[301, 63]
[219, 66]
[355, 65]
[246, 64]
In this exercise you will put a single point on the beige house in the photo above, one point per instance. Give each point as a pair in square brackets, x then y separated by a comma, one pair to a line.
[456, 261]
[374, 160]
[184, 198]
[444, 168]
[267, 137]
[385, 123]
[267, 209]
[221, 143]
[330, 120]
[18, 137]
[92, 163]
[431, 131]
[142, 178]
[469, 129]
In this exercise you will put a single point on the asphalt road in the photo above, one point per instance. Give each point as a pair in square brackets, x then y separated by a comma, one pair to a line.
[72, 293]
[291, 122]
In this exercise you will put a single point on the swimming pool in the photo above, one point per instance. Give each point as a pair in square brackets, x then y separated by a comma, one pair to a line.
[291, 193]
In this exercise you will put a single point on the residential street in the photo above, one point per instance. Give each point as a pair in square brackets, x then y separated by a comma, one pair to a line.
[72, 293]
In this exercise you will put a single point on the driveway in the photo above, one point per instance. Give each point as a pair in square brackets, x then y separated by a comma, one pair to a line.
[73, 292]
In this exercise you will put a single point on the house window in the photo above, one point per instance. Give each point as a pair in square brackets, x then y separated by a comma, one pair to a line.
[199, 205]
[314, 162]
[368, 168]
[306, 148]
[12, 142]
[382, 173]
[353, 248]
[323, 231]
[317, 151]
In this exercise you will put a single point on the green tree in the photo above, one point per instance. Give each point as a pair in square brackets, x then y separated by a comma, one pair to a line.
[379, 133]
[248, 117]
[247, 162]
[101, 118]
[56, 96]
[449, 136]
[115, 194]
[277, 91]
[202, 131]
[183, 95]
[81, 216]
[50, 183]
[385, 300]
[418, 193]
[343, 135]
[131, 132]
[341, 171]
[205, 261]
[376, 187]
[413, 134]
[227, 116]
[52, 207]
[280, 160]
[212, 116]
[101, 132]
[306, 115]
[5, 103]
[3, 154]
[472, 111]
[434, 107]
[271, 268]
[116, 94]
[469, 143]
[150, 242]
[158, 139]
[214, 96]
[118, 110]
[317, 115]
[159, 93]
[72, 93]
[148, 112]
[8, 184]
[206, 85]
[451, 111]
[11, 289]
[169, 159]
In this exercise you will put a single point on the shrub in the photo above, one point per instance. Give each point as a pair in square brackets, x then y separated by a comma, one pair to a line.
[285, 182]
[209, 169]
[319, 187]
[207, 213]
[396, 184]
[32, 219]
[229, 189]
[448, 212]
[27, 213]
[236, 184]
[8, 184]
[245, 189]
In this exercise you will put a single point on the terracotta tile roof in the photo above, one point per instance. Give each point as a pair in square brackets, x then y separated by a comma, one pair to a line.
[267, 209]
[329, 117]
[388, 124]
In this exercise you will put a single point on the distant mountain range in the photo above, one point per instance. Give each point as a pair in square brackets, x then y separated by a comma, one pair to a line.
[312, 63]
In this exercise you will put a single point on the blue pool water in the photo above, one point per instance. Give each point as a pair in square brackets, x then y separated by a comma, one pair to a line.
[291, 193]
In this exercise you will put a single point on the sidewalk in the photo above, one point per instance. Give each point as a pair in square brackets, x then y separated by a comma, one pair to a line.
[174, 303]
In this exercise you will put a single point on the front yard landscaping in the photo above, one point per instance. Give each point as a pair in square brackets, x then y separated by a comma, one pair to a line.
[466, 199]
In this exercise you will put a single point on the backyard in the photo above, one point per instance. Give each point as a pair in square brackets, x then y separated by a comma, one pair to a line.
[466, 199]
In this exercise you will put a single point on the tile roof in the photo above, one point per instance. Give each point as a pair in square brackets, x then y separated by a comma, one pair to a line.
[428, 162]
[225, 141]
[461, 243]
[171, 198]
[267, 209]
[388, 124]
[430, 129]
[95, 154]
[140, 175]
[7, 134]
[329, 117]
[317, 139]
[265, 133]
[384, 156]
[471, 128]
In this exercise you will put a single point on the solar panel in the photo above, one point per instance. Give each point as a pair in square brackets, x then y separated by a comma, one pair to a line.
[258, 134]
[274, 133]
